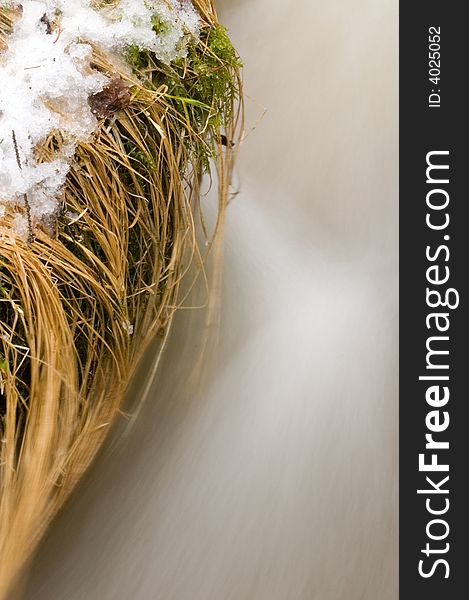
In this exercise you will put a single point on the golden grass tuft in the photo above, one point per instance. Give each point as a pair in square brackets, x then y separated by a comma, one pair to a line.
[116, 255]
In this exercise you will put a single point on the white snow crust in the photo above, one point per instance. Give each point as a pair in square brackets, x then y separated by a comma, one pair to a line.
[46, 81]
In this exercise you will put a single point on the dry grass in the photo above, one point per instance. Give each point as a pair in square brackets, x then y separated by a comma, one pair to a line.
[117, 254]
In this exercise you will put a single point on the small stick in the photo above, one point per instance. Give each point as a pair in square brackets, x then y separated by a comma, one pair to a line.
[25, 196]
[15, 144]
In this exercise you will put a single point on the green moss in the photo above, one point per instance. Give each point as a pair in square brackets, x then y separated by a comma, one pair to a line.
[137, 58]
[220, 44]
[213, 70]
[202, 87]
[160, 27]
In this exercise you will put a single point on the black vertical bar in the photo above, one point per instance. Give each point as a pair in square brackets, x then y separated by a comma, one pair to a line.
[433, 118]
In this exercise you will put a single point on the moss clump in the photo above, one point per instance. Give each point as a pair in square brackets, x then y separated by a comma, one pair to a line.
[159, 26]
[213, 84]
[137, 58]
[220, 45]
[202, 87]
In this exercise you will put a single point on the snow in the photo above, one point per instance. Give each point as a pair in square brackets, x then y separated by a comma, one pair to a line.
[46, 81]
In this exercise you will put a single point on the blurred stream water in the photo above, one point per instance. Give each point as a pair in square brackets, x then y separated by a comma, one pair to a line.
[280, 481]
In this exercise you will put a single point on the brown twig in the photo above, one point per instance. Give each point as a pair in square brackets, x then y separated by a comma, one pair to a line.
[25, 196]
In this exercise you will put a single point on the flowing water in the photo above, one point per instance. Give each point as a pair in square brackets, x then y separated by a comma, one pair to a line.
[279, 482]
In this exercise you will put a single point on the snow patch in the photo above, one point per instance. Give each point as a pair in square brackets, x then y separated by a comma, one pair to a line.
[46, 81]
